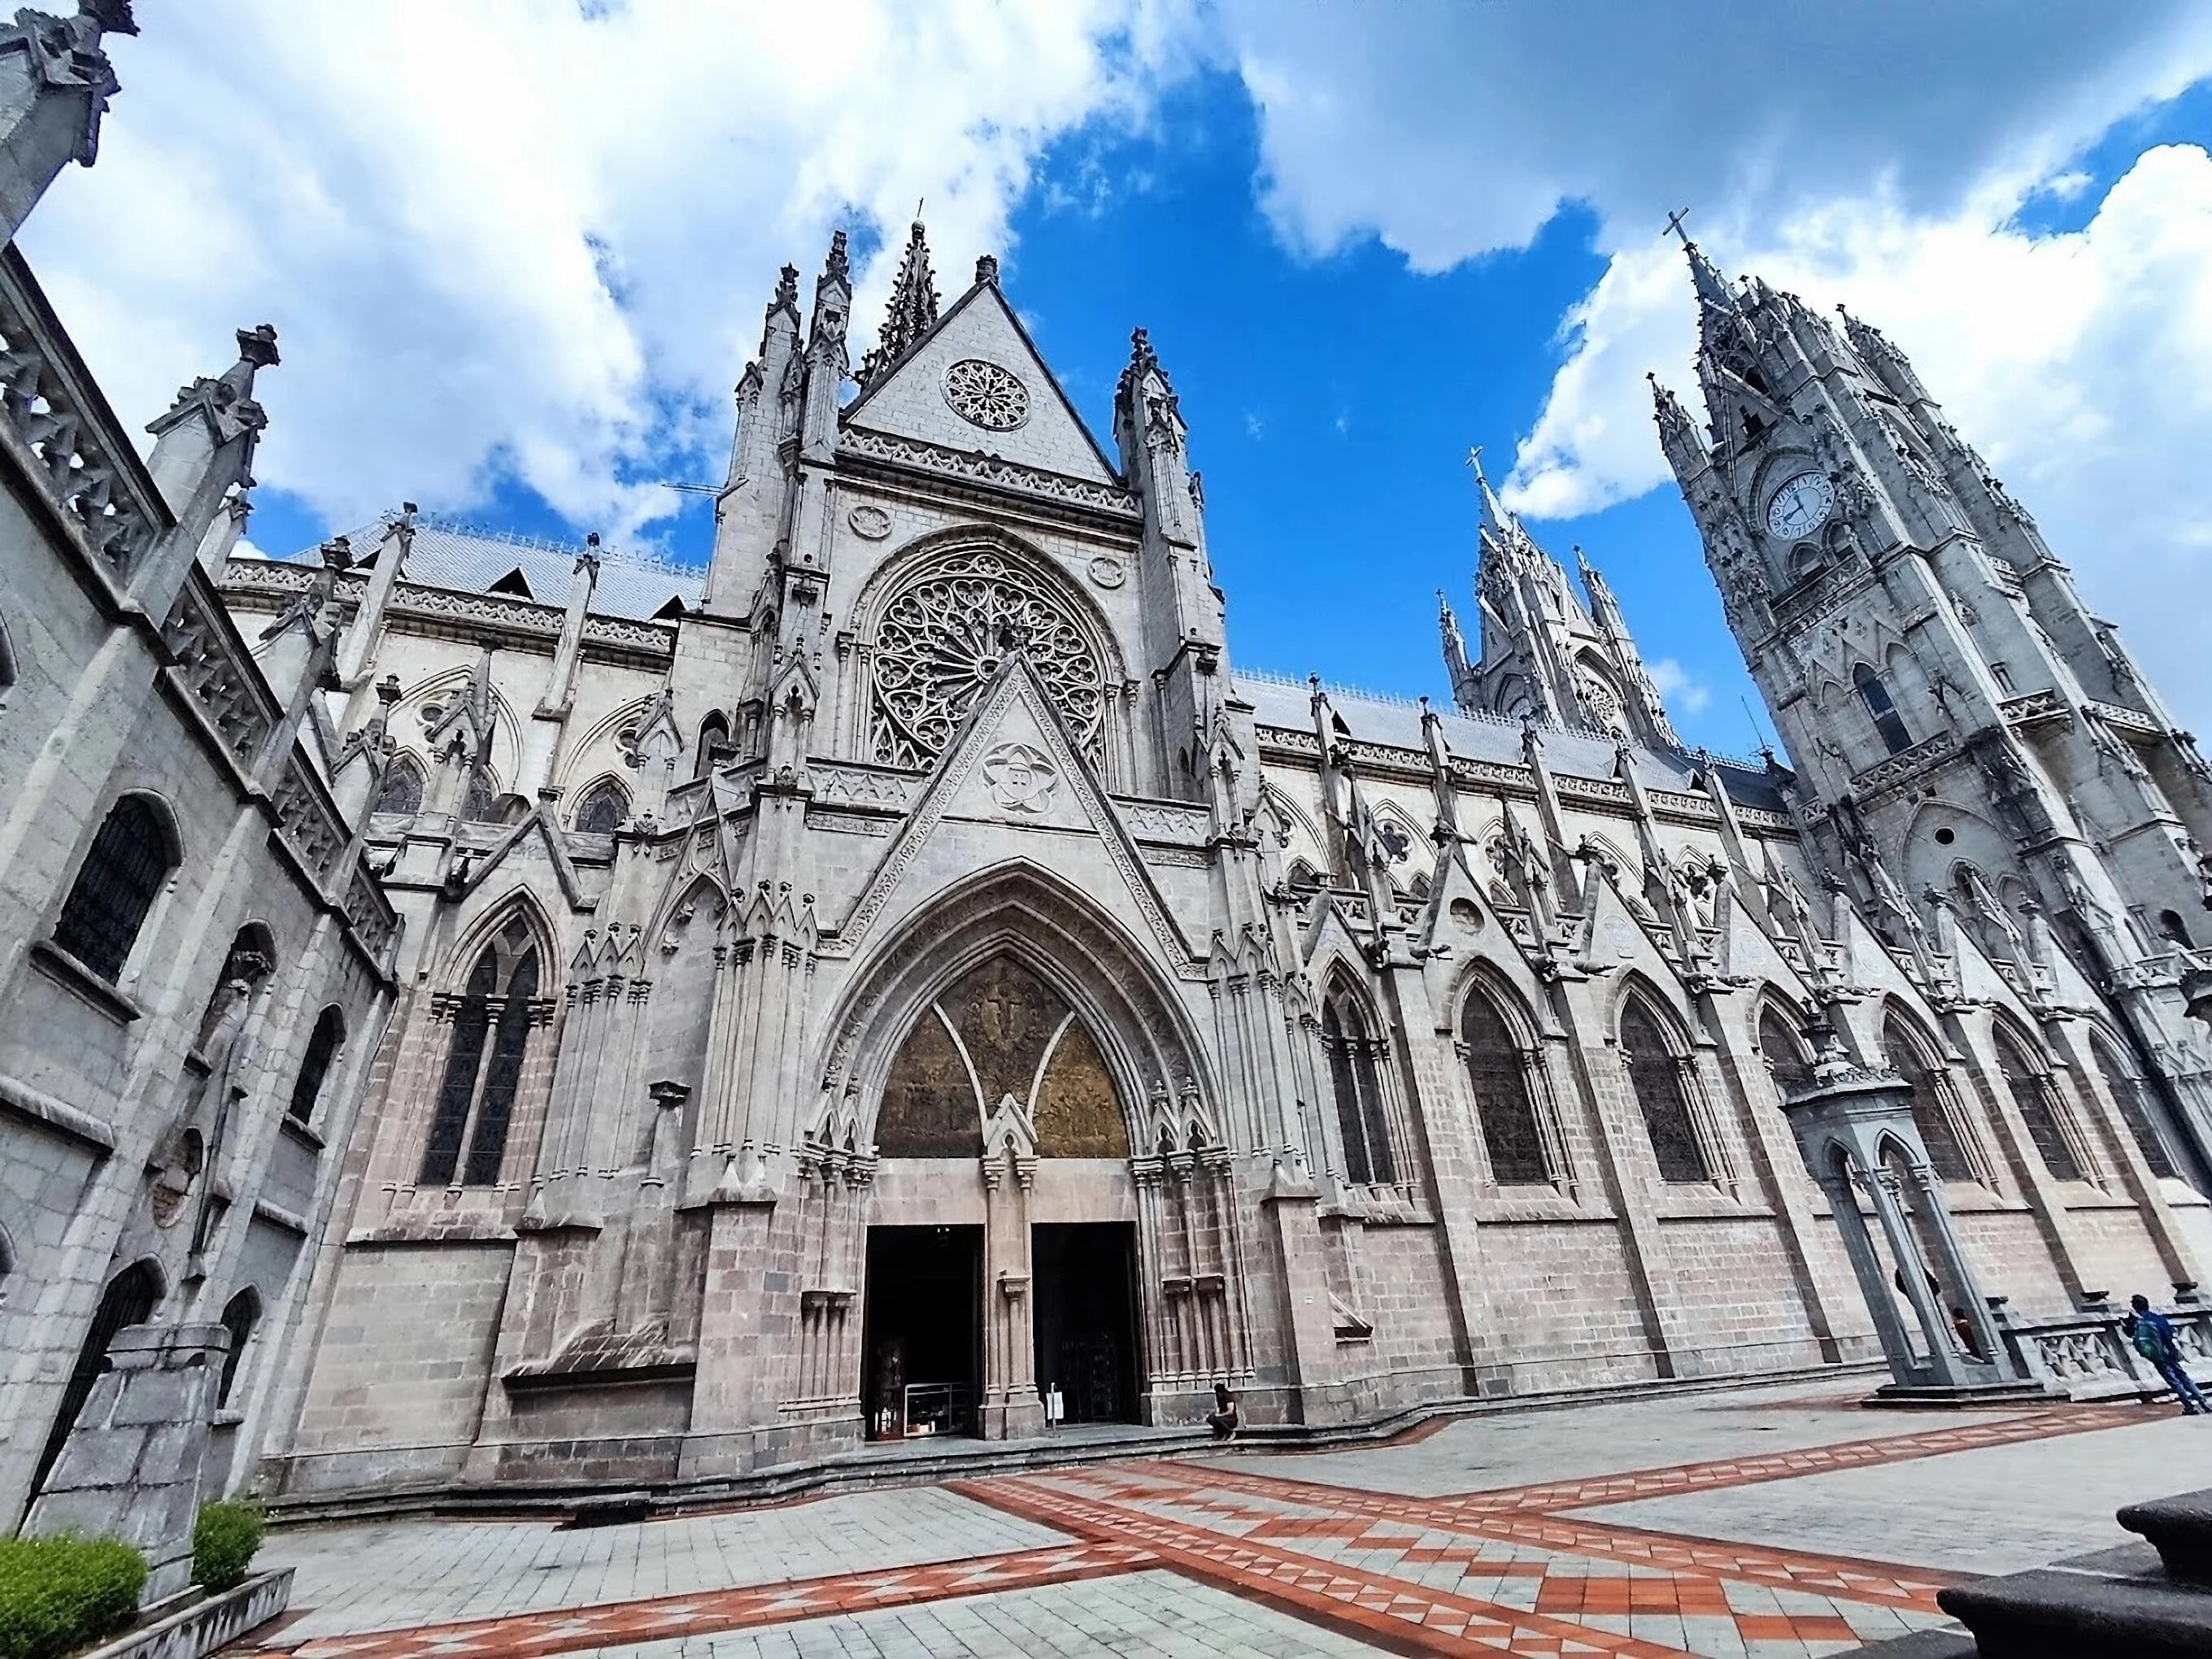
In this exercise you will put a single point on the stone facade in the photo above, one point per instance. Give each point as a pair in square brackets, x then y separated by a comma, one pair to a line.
[907, 977]
[195, 959]
[584, 1022]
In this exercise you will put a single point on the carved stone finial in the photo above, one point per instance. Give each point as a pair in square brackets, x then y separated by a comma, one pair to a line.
[987, 269]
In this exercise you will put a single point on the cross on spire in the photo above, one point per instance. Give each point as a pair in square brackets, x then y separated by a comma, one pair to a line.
[1674, 221]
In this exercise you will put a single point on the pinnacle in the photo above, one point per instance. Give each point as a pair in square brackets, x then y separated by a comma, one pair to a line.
[911, 310]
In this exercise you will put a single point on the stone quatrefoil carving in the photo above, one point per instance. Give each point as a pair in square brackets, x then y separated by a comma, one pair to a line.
[944, 636]
[983, 394]
[1020, 777]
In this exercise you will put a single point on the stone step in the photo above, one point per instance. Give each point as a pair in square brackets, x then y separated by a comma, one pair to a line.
[2054, 1613]
[2181, 1529]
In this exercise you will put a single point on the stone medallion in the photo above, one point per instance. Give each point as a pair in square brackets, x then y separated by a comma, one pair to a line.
[869, 523]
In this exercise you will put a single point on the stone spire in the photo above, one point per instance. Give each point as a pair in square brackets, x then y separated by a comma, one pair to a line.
[1647, 712]
[912, 311]
[55, 82]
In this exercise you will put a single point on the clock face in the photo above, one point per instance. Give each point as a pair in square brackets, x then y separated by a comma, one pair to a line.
[1801, 504]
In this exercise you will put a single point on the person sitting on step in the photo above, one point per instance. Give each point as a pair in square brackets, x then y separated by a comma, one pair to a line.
[1222, 1420]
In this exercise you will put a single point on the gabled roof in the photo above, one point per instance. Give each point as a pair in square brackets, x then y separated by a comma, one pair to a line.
[910, 399]
[468, 560]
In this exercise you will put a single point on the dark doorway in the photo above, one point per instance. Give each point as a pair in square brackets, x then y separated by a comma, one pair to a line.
[1086, 1329]
[921, 1361]
[129, 1299]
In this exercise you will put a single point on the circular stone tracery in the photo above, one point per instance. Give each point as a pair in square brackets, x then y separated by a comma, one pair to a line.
[944, 636]
[983, 394]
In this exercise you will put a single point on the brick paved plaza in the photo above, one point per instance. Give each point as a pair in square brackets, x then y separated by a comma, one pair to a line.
[1769, 1522]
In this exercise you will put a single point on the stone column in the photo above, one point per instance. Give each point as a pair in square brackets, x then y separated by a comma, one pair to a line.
[131, 1465]
[1852, 1113]
[1010, 1408]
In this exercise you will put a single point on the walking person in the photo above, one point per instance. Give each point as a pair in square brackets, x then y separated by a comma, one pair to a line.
[2153, 1336]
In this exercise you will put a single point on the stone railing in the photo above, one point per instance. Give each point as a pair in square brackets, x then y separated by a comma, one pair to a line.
[2086, 1355]
[71, 441]
[209, 1623]
[308, 818]
[215, 668]
[1888, 773]
[370, 913]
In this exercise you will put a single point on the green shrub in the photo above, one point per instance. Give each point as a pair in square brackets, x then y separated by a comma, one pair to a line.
[224, 1539]
[60, 1594]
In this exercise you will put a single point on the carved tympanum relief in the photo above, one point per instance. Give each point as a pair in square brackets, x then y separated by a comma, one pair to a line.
[1000, 1031]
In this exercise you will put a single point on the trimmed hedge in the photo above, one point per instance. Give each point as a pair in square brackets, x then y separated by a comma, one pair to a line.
[224, 1539]
[57, 1594]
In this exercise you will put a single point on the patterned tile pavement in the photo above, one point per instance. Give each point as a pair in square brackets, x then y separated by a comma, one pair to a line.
[1522, 1570]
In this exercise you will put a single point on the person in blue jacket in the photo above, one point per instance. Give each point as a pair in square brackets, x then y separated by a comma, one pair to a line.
[2153, 1336]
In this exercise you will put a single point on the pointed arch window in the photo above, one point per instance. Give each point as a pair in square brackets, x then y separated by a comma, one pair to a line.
[2030, 1090]
[240, 1315]
[2132, 1096]
[323, 1043]
[1878, 707]
[714, 748]
[129, 1299]
[1788, 1068]
[480, 801]
[1361, 1117]
[1497, 1075]
[603, 809]
[1655, 1076]
[122, 875]
[401, 789]
[1905, 1056]
[492, 1019]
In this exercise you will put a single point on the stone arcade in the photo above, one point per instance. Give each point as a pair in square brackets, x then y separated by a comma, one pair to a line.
[905, 979]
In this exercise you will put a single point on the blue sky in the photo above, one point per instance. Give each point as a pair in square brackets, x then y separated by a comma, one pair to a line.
[517, 268]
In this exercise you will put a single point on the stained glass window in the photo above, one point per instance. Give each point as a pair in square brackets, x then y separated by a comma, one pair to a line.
[1362, 1119]
[2030, 1091]
[1945, 1155]
[603, 808]
[2130, 1094]
[116, 886]
[476, 1097]
[1497, 1075]
[1655, 1077]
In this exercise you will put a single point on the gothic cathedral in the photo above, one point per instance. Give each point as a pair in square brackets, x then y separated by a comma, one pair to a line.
[542, 1018]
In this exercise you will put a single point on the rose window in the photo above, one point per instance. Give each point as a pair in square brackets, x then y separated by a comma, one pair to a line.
[985, 395]
[946, 633]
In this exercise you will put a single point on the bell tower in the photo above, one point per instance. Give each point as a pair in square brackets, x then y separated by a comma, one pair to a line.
[1967, 734]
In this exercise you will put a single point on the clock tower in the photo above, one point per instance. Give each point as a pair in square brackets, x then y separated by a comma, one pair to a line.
[1973, 748]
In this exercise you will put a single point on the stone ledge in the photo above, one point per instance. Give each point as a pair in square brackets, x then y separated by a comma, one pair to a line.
[41, 1107]
[207, 1623]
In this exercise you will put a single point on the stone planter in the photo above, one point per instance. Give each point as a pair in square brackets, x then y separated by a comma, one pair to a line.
[207, 1624]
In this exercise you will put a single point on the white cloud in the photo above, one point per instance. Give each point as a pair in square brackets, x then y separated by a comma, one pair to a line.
[528, 236]
[1876, 156]
[2081, 365]
[1678, 688]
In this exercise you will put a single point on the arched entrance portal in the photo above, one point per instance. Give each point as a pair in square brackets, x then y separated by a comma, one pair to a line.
[998, 1105]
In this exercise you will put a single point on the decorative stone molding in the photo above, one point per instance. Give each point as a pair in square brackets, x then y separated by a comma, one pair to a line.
[991, 470]
[213, 666]
[60, 424]
[1887, 775]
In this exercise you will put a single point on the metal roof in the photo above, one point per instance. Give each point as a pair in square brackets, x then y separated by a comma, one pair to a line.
[468, 559]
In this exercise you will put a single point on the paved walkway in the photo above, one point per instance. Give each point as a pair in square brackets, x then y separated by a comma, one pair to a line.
[1750, 1525]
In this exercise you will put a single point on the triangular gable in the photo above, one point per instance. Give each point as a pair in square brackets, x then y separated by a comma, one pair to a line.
[1012, 764]
[910, 402]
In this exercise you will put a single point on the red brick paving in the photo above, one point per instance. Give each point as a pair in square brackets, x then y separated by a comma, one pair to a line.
[1278, 1541]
